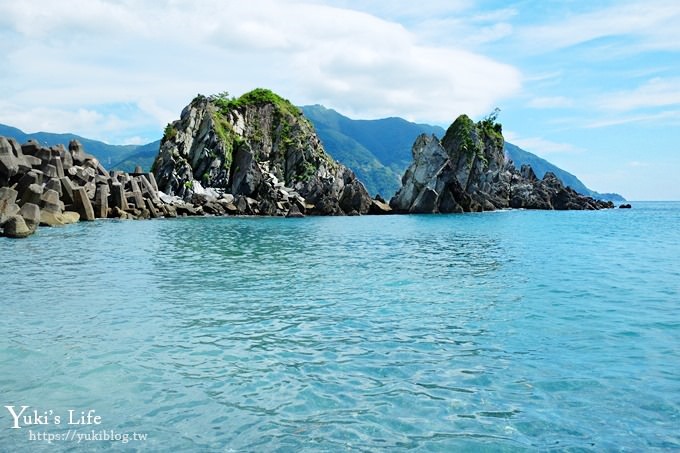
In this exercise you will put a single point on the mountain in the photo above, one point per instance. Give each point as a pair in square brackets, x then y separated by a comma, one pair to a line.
[107, 154]
[142, 155]
[379, 151]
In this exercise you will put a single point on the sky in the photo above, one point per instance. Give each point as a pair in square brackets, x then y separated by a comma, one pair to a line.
[592, 86]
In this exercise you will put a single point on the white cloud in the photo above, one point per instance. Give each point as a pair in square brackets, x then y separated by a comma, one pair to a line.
[638, 164]
[657, 92]
[652, 24]
[80, 54]
[669, 117]
[539, 145]
[82, 121]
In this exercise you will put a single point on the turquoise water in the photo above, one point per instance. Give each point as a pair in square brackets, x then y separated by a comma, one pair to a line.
[506, 331]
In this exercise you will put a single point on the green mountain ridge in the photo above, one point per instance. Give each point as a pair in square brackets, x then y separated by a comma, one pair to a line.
[109, 155]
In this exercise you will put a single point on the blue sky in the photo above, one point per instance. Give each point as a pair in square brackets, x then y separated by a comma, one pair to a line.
[592, 86]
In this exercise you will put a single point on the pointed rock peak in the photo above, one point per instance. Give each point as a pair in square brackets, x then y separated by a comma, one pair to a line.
[468, 172]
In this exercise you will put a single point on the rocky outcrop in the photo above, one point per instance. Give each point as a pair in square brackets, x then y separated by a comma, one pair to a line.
[467, 172]
[260, 150]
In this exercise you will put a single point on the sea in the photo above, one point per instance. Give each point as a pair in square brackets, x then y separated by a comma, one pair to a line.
[500, 331]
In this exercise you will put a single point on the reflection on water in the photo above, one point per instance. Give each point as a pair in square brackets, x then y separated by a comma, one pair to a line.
[509, 330]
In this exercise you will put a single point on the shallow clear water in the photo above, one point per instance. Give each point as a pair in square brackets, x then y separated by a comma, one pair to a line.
[504, 331]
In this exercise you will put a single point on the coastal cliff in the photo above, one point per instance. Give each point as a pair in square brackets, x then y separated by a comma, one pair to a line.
[261, 152]
[467, 172]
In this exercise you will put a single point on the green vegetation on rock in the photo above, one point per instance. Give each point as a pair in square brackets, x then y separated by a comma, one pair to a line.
[491, 128]
[227, 136]
[463, 133]
[170, 132]
[258, 96]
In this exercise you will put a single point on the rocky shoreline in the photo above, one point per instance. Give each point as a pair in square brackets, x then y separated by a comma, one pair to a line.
[58, 186]
[258, 155]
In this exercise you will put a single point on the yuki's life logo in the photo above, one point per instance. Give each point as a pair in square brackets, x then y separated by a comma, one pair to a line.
[25, 416]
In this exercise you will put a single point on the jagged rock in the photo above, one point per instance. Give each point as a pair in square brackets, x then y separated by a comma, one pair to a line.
[31, 147]
[230, 208]
[32, 177]
[67, 190]
[77, 152]
[259, 146]
[466, 172]
[82, 204]
[52, 219]
[625, 206]
[118, 199]
[50, 171]
[58, 165]
[379, 207]
[8, 206]
[294, 212]
[153, 212]
[50, 201]
[31, 214]
[118, 213]
[9, 164]
[54, 184]
[101, 205]
[213, 208]
[15, 227]
[32, 194]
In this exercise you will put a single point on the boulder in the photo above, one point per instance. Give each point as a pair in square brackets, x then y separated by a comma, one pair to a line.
[52, 219]
[294, 212]
[31, 215]
[54, 184]
[77, 152]
[58, 165]
[8, 206]
[82, 204]
[101, 204]
[9, 164]
[118, 199]
[379, 207]
[625, 206]
[68, 188]
[50, 201]
[15, 227]
[32, 177]
[153, 212]
[30, 148]
[33, 194]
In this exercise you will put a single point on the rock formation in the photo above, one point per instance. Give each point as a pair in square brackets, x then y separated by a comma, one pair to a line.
[261, 152]
[467, 172]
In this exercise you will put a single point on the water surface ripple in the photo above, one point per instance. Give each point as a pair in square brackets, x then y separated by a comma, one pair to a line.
[506, 331]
